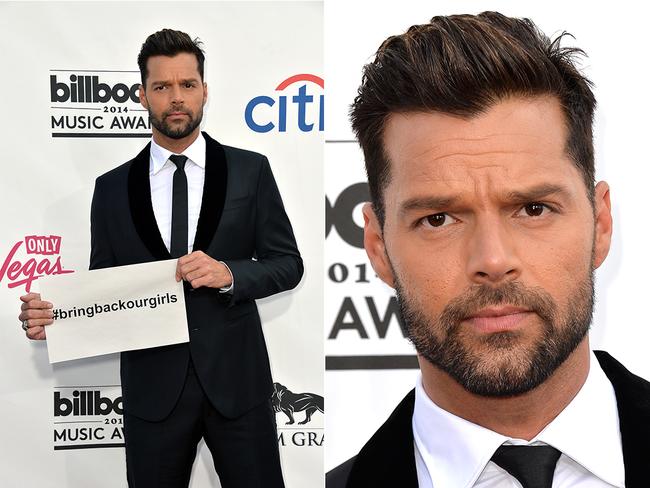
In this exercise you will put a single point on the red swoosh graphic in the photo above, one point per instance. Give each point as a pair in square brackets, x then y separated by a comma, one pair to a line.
[301, 77]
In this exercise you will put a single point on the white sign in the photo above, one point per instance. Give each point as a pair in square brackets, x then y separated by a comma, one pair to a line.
[114, 309]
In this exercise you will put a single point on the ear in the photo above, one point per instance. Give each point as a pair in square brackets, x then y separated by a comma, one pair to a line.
[143, 97]
[373, 241]
[205, 92]
[603, 223]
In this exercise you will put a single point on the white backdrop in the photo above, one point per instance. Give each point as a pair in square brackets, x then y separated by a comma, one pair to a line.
[614, 35]
[47, 186]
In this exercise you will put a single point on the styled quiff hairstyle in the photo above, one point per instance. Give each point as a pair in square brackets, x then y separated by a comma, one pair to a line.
[462, 65]
[168, 42]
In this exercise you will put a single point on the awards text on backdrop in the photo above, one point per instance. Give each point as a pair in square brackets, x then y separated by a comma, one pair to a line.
[114, 309]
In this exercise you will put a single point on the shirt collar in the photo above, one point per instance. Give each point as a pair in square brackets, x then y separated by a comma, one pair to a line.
[588, 429]
[455, 451]
[159, 155]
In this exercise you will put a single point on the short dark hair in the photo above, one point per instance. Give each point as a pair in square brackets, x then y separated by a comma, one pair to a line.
[168, 42]
[463, 65]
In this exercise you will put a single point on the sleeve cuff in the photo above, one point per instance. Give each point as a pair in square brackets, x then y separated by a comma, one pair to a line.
[228, 289]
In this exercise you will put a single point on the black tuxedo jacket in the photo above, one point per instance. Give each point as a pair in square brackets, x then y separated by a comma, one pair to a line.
[243, 223]
[388, 459]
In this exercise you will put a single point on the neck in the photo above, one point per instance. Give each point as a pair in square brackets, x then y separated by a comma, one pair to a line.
[176, 146]
[523, 416]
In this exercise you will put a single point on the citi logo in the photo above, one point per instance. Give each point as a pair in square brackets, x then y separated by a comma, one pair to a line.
[88, 402]
[306, 110]
[88, 89]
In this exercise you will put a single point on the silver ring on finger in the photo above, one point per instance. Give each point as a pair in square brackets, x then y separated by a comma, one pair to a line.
[25, 326]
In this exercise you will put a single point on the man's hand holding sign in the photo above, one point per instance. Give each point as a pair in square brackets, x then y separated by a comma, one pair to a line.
[199, 269]
[35, 315]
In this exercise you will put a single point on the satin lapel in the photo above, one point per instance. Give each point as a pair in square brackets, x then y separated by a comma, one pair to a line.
[214, 193]
[141, 208]
[388, 459]
[633, 401]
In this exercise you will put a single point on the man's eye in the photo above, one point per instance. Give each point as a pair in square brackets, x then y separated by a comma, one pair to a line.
[438, 220]
[535, 209]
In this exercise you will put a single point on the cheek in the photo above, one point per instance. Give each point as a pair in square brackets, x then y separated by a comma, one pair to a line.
[155, 105]
[430, 278]
[559, 265]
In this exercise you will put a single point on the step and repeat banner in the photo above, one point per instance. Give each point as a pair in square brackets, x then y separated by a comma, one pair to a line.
[369, 364]
[71, 113]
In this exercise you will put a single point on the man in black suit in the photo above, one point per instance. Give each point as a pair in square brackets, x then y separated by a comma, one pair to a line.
[486, 219]
[218, 210]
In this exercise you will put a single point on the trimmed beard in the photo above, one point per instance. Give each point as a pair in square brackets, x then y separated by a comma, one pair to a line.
[497, 364]
[166, 129]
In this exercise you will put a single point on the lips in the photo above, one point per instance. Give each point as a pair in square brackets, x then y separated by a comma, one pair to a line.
[498, 319]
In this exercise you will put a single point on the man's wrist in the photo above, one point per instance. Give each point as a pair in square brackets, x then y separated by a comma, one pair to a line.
[228, 288]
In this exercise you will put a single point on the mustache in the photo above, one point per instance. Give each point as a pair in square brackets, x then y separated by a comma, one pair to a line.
[513, 294]
[172, 110]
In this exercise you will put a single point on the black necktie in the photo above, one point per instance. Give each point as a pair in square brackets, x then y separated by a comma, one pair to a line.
[178, 246]
[533, 466]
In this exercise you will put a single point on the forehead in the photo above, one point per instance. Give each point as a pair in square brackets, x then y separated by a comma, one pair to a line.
[517, 142]
[181, 64]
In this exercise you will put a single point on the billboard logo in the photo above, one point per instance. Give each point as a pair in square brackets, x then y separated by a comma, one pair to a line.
[41, 261]
[87, 417]
[96, 103]
[87, 402]
[340, 214]
[368, 319]
[89, 89]
[305, 109]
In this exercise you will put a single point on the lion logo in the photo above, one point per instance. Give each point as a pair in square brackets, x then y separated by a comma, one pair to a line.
[284, 400]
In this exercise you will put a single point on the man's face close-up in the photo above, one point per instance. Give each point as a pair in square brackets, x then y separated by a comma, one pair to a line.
[174, 94]
[490, 240]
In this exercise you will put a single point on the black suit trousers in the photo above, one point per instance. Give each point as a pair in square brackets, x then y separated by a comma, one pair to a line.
[244, 450]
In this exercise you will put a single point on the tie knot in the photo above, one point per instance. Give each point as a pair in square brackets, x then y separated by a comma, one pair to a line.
[533, 466]
[178, 160]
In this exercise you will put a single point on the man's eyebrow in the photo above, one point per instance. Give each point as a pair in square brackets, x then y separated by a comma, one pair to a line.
[427, 203]
[440, 203]
[538, 192]
[166, 82]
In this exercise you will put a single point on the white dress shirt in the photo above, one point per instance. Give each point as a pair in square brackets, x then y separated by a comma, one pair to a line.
[161, 180]
[161, 177]
[451, 452]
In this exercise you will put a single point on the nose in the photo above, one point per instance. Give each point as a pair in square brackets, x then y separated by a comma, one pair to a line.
[177, 95]
[492, 254]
